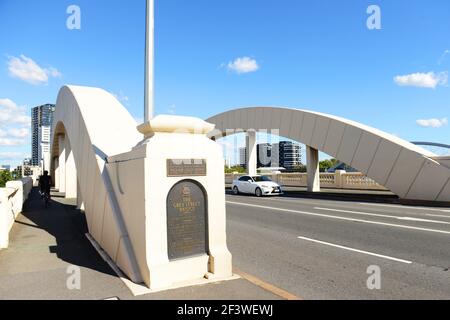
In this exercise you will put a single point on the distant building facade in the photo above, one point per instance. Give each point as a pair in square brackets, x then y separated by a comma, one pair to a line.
[286, 154]
[264, 155]
[243, 157]
[41, 126]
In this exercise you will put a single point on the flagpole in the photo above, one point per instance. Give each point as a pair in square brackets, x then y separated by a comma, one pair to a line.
[149, 60]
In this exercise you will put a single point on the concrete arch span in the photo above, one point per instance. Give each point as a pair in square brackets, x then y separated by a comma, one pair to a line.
[409, 171]
[122, 177]
[90, 125]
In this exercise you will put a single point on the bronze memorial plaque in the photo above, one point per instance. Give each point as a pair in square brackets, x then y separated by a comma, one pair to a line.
[186, 167]
[186, 220]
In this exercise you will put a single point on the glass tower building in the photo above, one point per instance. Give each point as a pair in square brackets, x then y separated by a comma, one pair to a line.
[41, 126]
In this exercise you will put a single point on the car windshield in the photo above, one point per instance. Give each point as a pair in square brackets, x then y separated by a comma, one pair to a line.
[261, 179]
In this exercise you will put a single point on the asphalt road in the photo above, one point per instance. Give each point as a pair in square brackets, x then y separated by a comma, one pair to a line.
[324, 249]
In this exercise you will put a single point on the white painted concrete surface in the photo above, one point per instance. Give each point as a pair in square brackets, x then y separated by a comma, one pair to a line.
[12, 199]
[408, 170]
[122, 183]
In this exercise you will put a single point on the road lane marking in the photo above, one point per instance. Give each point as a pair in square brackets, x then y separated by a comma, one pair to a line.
[340, 218]
[337, 202]
[402, 207]
[266, 286]
[383, 215]
[356, 250]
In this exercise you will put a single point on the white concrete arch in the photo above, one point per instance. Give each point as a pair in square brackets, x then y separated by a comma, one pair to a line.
[120, 176]
[407, 170]
[89, 126]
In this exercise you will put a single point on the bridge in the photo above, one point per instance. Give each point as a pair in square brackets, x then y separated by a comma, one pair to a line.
[115, 171]
[404, 168]
[90, 155]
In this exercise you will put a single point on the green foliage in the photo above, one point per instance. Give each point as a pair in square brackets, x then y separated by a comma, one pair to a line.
[327, 164]
[5, 176]
[234, 169]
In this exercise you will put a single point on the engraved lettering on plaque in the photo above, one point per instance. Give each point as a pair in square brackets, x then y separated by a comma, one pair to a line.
[186, 167]
[186, 220]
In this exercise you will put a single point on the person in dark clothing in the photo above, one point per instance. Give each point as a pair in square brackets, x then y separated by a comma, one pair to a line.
[45, 183]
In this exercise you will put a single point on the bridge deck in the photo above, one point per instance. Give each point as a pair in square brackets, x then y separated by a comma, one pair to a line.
[44, 243]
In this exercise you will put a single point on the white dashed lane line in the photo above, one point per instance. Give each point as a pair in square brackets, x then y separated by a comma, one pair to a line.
[355, 250]
[340, 218]
[383, 215]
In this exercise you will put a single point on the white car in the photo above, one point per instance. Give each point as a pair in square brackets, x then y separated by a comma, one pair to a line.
[257, 185]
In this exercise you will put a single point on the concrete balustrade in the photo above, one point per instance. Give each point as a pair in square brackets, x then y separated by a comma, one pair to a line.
[338, 180]
[12, 199]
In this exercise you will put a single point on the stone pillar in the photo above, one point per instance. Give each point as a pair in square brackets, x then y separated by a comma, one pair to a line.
[252, 160]
[339, 179]
[312, 158]
[62, 164]
[71, 173]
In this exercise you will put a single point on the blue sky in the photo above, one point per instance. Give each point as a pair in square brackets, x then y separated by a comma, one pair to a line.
[317, 55]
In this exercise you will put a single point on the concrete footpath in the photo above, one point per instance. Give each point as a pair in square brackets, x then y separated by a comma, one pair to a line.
[46, 244]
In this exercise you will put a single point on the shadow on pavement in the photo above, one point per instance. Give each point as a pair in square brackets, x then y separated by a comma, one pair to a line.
[68, 226]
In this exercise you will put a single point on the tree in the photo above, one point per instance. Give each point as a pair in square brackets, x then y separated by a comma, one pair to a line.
[5, 176]
[327, 164]
[237, 169]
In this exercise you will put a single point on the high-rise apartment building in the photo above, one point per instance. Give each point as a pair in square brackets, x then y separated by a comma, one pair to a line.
[264, 155]
[243, 157]
[286, 154]
[41, 126]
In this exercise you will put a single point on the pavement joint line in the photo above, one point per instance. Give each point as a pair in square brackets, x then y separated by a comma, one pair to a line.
[341, 218]
[342, 205]
[438, 215]
[267, 286]
[139, 289]
[403, 207]
[356, 250]
[382, 215]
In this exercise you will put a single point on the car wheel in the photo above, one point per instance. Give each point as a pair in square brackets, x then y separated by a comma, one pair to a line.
[258, 192]
[235, 191]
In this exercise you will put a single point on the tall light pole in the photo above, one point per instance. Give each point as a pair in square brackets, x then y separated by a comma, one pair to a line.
[149, 60]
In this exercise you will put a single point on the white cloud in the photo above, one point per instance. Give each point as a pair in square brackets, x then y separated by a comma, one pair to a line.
[422, 80]
[14, 124]
[10, 113]
[28, 70]
[432, 123]
[8, 142]
[19, 132]
[243, 65]
[8, 103]
[12, 156]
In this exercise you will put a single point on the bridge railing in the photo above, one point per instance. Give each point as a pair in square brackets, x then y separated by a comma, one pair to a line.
[12, 199]
[338, 180]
